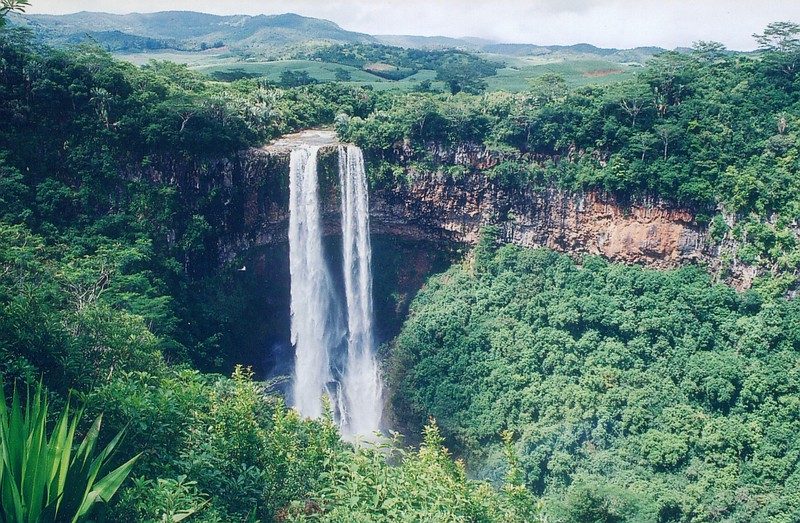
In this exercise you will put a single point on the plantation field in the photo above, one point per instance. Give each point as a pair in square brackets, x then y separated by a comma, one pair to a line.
[321, 71]
[518, 73]
[190, 58]
[516, 76]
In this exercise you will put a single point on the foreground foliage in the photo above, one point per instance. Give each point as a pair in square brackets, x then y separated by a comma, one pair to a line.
[424, 486]
[638, 395]
[10, 6]
[41, 478]
[221, 450]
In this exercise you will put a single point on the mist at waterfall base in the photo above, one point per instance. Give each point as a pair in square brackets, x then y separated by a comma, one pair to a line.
[260, 331]
[334, 345]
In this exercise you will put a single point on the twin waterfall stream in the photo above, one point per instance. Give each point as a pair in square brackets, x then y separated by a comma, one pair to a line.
[334, 345]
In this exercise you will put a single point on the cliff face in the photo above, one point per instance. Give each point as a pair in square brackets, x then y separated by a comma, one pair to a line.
[434, 207]
[647, 232]
[251, 209]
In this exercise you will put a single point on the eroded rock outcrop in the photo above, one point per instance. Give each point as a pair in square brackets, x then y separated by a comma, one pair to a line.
[251, 207]
[434, 207]
[647, 232]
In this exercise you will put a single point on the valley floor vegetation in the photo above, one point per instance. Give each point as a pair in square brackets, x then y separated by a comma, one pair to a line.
[637, 395]
[577, 391]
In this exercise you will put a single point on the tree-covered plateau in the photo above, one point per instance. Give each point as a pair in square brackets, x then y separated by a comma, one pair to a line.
[713, 131]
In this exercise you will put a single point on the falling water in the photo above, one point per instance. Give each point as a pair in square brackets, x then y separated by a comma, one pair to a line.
[317, 334]
[314, 325]
[361, 383]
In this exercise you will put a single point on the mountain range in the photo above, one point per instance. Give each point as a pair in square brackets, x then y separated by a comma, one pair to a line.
[267, 36]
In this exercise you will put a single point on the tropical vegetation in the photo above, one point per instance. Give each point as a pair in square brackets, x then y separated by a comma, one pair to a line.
[636, 394]
[567, 389]
[41, 479]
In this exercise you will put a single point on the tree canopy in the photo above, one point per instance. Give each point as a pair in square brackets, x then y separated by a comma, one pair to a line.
[637, 395]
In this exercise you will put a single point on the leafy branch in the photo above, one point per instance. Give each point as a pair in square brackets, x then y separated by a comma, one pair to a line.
[8, 6]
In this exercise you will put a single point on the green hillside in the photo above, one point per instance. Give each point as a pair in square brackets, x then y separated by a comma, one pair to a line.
[518, 73]
[187, 31]
[266, 46]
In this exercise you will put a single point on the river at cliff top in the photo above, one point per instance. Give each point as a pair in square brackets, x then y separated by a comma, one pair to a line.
[308, 137]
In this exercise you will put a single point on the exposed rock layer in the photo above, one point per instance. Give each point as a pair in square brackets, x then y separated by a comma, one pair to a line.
[252, 209]
[645, 232]
[435, 207]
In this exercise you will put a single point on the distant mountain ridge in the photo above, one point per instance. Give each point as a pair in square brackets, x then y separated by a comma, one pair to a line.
[187, 30]
[267, 35]
[636, 54]
[434, 42]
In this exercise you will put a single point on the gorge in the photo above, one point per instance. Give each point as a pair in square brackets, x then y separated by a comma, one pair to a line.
[424, 221]
[570, 301]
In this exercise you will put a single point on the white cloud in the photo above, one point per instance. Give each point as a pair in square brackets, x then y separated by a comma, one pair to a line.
[617, 23]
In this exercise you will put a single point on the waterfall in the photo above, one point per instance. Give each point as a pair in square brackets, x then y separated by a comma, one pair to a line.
[361, 383]
[314, 326]
[317, 334]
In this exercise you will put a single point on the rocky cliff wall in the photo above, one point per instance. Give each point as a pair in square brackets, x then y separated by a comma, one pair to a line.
[646, 232]
[434, 207]
[251, 209]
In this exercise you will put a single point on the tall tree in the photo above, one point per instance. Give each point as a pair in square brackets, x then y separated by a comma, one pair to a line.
[633, 98]
[549, 87]
[780, 42]
[781, 37]
[708, 51]
[8, 6]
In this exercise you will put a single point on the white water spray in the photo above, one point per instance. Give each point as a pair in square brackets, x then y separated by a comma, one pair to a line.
[357, 398]
[361, 384]
[314, 325]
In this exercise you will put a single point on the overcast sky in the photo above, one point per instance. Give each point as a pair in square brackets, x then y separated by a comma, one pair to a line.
[609, 23]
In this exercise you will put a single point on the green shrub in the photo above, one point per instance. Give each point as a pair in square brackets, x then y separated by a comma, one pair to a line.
[164, 501]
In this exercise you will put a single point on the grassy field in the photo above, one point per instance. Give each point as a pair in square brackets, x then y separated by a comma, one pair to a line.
[321, 71]
[192, 59]
[516, 76]
[519, 72]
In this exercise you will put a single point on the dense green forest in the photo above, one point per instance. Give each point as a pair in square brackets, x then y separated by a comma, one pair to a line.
[637, 395]
[576, 390]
